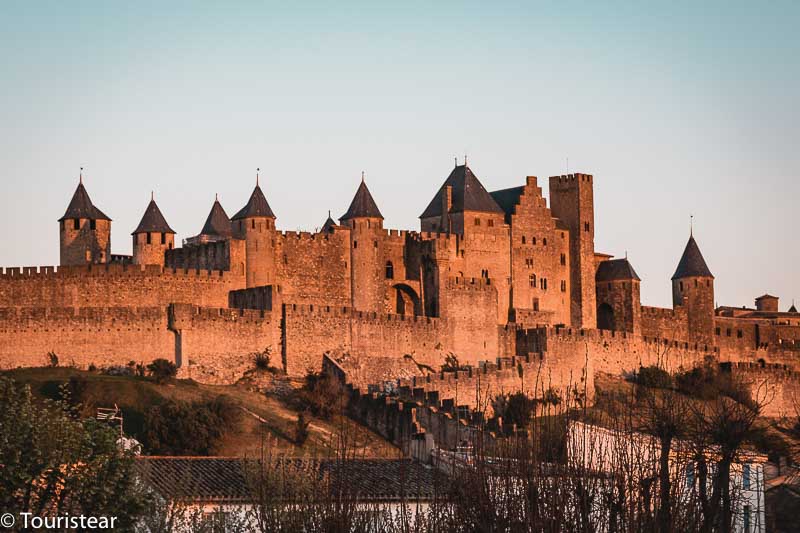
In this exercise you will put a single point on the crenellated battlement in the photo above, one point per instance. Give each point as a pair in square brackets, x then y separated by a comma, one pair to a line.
[25, 315]
[568, 180]
[113, 270]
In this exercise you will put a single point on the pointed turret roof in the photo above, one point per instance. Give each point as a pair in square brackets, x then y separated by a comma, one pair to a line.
[217, 223]
[692, 262]
[792, 309]
[362, 206]
[329, 224]
[616, 269]
[257, 206]
[81, 206]
[468, 195]
[153, 221]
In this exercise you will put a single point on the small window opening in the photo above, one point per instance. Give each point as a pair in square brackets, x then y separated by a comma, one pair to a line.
[149, 238]
[92, 224]
[76, 224]
[389, 270]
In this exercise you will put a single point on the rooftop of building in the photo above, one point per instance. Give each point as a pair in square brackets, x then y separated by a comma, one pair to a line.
[616, 270]
[468, 194]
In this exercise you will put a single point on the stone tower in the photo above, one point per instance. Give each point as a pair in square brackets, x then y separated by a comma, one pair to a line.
[693, 288]
[84, 231]
[152, 237]
[572, 201]
[619, 304]
[255, 223]
[366, 251]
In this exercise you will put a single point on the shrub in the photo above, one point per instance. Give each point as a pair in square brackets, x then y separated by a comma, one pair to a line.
[653, 376]
[452, 364]
[183, 428]
[515, 408]
[92, 367]
[301, 429]
[52, 359]
[320, 394]
[162, 370]
[262, 359]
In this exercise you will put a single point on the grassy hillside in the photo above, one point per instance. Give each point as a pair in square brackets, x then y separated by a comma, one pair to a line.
[265, 417]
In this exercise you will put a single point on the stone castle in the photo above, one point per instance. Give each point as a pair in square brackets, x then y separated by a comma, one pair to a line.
[490, 276]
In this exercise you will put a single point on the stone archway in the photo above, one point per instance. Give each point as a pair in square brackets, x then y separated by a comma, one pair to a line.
[406, 300]
[605, 317]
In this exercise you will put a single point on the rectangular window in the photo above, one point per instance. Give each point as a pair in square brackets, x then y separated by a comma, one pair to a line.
[746, 477]
[746, 518]
[163, 238]
[355, 244]
[477, 222]
[690, 476]
[563, 259]
[76, 224]
[563, 286]
[738, 334]
[92, 224]
[728, 332]
[490, 223]
[585, 226]
[149, 238]
[717, 331]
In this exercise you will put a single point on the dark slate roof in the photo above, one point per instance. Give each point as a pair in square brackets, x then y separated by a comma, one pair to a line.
[257, 206]
[329, 224]
[507, 199]
[766, 297]
[468, 195]
[692, 262]
[792, 309]
[81, 206]
[362, 205]
[225, 479]
[153, 220]
[217, 222]
[616, 269]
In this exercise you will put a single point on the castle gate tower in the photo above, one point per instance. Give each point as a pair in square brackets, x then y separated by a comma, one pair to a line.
[255, 223]
[152, 237]
[572, 200]
[84, 231]
[366, 251]
[693, 288]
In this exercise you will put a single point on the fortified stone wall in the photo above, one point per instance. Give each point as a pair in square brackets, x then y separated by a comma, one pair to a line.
[104, 336]
[311, 331]
[469, 305]
[216, 345]
[775, 385]
[314, 268]
[222, 255]
[665, 323]
[114, 285]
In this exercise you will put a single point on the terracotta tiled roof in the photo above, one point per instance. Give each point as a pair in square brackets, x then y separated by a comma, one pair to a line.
[225, 479]
[217, 224]
[81, 206]
[257, 206]
[616, 269]
[692, 262]
[153, 221]
[362, 205]
[468, 195]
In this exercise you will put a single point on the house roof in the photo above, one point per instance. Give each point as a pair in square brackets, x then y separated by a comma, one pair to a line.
[792, 309]
[153, 221]
[363, 205]
[692, 262]
[766, 297]
[508, 199]
[468, 194]
[616, 269]
[217, 223]
[81, 206]
[328, 225]
[228, 479]
[257, 206]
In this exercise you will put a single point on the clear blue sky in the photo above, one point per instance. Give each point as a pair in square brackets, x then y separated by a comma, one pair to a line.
[676, 108]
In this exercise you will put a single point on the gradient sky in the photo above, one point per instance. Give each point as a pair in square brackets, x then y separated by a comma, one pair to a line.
[676, 109]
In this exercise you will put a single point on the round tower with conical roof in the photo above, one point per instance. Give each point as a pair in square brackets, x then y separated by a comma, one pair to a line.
[152, 237]
[84, 231]
[255, 224]
[367, 271]
[693, 289]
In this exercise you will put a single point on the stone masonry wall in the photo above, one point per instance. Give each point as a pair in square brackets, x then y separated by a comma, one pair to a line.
[114, 285]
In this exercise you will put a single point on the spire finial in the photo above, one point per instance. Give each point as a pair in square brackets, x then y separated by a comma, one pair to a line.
[329, 213]
[691, 225]
[80, 177]
[456, 160]
[258, 170]
[216, 197]
[465, 159]
[626, 255]
[152, 196]
[362, 176]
